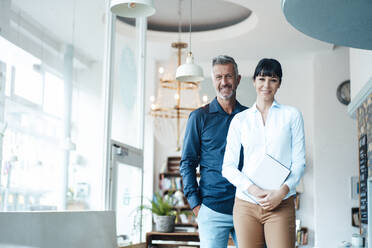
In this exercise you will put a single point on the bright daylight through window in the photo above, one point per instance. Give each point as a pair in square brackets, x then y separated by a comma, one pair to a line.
[32, 157]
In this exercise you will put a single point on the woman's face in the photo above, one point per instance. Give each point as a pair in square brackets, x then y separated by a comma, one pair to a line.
[266, 87]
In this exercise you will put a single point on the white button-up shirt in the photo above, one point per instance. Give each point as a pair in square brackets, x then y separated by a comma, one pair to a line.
[282, 137]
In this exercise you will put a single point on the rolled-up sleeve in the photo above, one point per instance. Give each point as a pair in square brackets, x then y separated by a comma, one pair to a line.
[298, 151]
[190, 160]
[232, 156]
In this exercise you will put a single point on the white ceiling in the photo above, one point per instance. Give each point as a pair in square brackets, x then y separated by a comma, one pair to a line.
[172, 13]
[266, 33]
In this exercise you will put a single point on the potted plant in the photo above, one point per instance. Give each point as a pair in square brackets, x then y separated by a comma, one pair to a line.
[163, 211]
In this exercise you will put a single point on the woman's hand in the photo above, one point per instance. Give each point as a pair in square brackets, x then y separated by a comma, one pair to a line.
[273, 198]
[257, 191]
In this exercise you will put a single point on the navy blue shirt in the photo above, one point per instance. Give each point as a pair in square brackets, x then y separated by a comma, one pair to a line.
[204, 145]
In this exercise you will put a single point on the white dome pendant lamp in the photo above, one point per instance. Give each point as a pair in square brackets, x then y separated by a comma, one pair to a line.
[189, 72]
[132, 8]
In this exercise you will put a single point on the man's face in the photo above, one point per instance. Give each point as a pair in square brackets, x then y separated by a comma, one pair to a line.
[224, 80]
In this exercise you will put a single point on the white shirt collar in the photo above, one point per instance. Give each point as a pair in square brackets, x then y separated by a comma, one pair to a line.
[275, 104]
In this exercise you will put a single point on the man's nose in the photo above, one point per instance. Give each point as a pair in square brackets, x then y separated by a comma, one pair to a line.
[224, 80]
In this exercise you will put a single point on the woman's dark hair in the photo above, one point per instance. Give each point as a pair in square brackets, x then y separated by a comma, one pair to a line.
[268, 67]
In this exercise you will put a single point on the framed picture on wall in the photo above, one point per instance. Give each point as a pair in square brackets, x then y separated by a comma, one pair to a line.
[354, 188]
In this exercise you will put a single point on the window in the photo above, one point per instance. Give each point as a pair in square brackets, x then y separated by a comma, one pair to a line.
[28, 83]
[53, 95]
[41, 50]
[32, 164]
[31, 176]
[8, 76]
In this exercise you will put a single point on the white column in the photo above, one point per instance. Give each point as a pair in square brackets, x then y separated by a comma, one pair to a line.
[141, 37]
[67, 144]
[2, 110]
[107, 98]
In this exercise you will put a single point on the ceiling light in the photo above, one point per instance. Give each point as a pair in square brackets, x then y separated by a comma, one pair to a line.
[189, 72]
[175, 98]
[132, 8]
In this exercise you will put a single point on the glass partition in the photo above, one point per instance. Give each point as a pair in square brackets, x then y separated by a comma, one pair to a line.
[52, 55]
[52, 59]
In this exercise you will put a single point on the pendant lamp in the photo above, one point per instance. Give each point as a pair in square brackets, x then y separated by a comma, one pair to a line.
[189, 71]
[132, 8]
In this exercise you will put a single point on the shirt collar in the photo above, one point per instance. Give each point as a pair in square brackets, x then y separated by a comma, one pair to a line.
[274, 105]
[214, 106]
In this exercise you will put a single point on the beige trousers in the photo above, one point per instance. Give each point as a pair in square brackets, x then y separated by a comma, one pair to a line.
[253, 225]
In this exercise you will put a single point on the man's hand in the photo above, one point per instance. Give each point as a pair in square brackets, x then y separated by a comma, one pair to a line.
[274, 198]
[196, 210]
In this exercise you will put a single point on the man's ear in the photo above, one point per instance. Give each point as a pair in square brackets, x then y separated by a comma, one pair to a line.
[238, 80]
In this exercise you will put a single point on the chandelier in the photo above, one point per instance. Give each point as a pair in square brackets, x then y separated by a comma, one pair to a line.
[174, 102]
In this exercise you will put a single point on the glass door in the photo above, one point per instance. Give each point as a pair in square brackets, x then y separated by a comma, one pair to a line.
[126, 192]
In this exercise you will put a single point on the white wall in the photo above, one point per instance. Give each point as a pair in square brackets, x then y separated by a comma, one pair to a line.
[360, 69]
[297, 90]
[335, 151]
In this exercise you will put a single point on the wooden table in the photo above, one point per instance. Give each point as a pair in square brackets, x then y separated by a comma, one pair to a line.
[173, 236]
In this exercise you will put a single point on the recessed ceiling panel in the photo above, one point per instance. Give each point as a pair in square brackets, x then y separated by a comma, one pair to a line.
[206, 15]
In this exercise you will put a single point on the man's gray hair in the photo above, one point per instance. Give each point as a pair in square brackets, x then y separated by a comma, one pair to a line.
[223, 60]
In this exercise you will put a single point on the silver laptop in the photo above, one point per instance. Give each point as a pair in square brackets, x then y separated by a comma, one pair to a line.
[71, 229]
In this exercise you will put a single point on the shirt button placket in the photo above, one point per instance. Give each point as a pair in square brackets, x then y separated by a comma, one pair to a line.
[266, 143]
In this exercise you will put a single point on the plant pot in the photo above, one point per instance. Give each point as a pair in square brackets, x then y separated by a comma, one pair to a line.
[164, 223]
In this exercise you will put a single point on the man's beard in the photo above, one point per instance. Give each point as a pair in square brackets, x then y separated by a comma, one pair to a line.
[228, 97]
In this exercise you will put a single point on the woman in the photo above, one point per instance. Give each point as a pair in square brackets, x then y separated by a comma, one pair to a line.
[266, 128]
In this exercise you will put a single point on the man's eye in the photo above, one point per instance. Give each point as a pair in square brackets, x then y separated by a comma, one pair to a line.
[218, 77]
[229, 76]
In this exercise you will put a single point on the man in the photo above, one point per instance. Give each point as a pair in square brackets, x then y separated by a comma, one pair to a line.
[204, 144]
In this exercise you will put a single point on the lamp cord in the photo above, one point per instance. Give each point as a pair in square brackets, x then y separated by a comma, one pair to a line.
[190, 25]
[179, 20]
